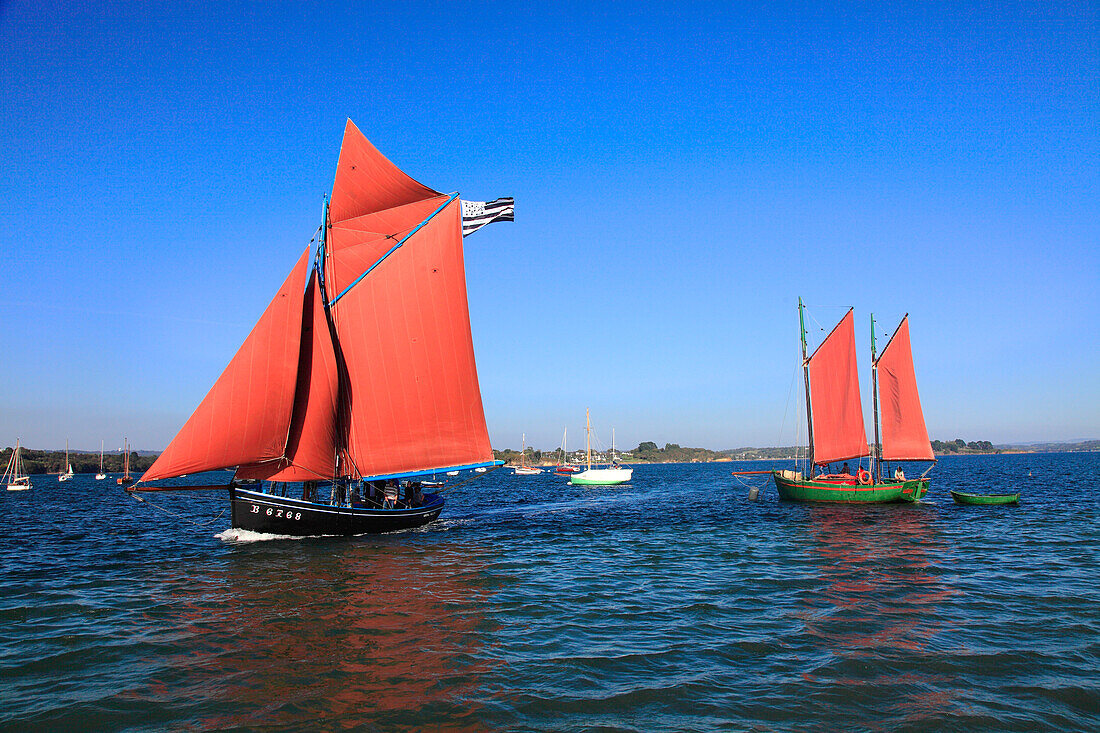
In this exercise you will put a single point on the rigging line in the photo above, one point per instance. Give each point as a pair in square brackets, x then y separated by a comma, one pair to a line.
[475, 477]
[783, 425]
[763, 481]
[175, 514]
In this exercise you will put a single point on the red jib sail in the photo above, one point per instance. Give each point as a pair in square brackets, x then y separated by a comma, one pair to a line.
[245, 416]
[838, 428]
[904, 435]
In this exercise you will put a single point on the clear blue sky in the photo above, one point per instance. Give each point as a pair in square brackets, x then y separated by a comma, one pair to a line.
[682, 174]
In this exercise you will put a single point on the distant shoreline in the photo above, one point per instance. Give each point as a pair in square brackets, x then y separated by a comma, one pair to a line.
[628, 462]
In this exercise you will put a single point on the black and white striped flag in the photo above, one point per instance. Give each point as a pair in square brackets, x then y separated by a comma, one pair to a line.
[476, 214]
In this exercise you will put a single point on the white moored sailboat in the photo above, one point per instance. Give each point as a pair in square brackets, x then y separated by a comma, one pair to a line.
[14, 476]
[523, 469]
[68, 474]
[100, 476]
[611, 476]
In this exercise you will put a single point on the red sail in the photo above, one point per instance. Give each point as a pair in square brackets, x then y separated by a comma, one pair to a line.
[904, 436]
[412, 398]
[311, 446]
[839, 433]
[367, 182]
[246, 415]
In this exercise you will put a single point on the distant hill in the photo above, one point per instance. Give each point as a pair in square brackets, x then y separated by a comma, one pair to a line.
[1060, 447]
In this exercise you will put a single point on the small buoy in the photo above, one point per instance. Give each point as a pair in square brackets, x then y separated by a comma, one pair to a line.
[753, 493]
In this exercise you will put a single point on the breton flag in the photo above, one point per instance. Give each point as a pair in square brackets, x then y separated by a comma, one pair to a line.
[476, 214]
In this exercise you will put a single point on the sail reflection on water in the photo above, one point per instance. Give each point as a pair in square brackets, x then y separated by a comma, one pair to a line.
[879, 607]
[295, 632]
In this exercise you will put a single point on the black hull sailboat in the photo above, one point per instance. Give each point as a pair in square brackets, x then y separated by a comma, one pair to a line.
[257, 511]
[359, 376]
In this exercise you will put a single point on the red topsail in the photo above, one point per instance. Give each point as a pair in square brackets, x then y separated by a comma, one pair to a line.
[904, 435]
[838, 428]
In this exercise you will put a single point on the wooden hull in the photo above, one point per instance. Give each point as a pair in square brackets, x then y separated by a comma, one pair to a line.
[259, 512]
[984, 499]
[889, 492]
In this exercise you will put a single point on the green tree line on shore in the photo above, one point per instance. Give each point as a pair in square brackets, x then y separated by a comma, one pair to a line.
[958, 445]
[53, 461]
[650, 452]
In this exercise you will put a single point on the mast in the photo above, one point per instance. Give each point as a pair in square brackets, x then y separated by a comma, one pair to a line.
[101, 456]
[806, 381]
[588, 440]
[876, 454]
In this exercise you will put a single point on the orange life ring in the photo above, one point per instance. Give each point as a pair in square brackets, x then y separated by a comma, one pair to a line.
[863, 476]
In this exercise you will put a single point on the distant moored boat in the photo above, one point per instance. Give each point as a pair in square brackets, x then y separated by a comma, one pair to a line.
[68, 473]
[15, 476]
[613, 475]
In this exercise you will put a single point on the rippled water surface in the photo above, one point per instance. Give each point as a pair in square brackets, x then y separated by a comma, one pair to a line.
[675, 603]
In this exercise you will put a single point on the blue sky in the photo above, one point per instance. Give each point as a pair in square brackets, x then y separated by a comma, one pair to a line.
[682, 175]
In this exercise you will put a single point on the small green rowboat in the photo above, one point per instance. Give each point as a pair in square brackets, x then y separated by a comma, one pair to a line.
[984, 499]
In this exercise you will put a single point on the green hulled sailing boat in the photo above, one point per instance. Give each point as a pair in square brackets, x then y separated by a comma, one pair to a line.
[835, 422]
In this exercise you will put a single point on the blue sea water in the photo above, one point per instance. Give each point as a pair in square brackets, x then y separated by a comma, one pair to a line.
[675, 603]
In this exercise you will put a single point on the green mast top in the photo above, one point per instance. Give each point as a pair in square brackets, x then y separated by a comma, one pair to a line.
[806, 379]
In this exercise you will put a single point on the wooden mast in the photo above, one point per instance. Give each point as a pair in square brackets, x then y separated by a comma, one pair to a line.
[806, 380]
[876, 454]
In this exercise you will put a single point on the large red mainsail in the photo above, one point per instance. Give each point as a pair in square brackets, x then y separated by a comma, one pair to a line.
[838, 428]
[246, 415]
[411, 393]
[904, 435]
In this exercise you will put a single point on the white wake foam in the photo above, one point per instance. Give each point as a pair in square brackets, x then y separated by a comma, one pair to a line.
[246, 535]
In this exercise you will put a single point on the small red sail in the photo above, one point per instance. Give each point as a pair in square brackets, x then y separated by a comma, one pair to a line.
[366, 181]
[246, 415]
[412, 397]
[839, 433]
[904, 435]
[311, 445]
